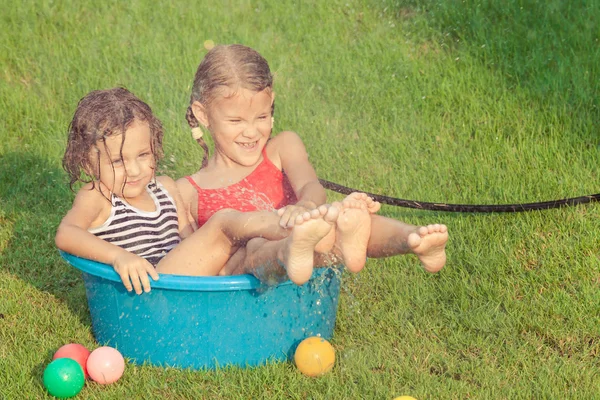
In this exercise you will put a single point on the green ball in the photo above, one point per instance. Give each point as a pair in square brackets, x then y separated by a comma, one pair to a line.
[64, 378]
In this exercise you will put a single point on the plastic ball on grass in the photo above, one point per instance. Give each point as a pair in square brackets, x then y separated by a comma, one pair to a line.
[63, 378]
[105, 365]
[314, 356]
[74, 351]
[404, 398]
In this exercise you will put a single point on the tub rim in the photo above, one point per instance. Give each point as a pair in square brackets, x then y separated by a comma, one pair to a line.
[178, 282]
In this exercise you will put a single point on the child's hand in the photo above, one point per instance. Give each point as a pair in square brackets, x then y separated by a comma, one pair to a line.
[288, 215]
[134, 270]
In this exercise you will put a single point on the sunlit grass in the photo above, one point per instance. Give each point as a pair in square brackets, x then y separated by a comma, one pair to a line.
[443, 101]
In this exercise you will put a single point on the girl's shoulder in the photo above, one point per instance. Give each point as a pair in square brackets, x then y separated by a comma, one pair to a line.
[93, 193]
[92, 203]
[174, 191]
[165, 180]
[283, 144]
[185, 188]
[284, 137]
[168, 183]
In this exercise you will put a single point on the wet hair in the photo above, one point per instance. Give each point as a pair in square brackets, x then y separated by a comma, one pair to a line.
[225, 67]
[101, 114]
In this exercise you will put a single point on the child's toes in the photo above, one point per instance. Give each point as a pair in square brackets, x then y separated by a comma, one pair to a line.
[423, 231]
[315, 213]
[323, 209]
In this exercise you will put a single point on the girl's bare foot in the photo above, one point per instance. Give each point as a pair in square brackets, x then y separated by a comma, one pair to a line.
[429, 244]
[372, 205]
[298, 252]
[326, 244]
[353, 231]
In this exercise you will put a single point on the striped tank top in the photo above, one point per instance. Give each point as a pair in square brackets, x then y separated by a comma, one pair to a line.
[149, 234]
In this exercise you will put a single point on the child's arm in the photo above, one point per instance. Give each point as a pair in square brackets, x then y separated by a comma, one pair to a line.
[291, 153]
[188, 194]
[185, 226]
[73, 237]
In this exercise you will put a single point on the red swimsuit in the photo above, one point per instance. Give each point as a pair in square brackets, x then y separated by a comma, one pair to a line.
[265, 188]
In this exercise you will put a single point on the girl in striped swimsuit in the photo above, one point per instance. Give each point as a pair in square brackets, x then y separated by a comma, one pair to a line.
[126, 216]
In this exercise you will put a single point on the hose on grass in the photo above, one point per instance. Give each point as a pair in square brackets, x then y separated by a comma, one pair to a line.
[467, 208]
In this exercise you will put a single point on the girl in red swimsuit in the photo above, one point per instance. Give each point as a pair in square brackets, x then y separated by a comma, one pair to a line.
[233, 99]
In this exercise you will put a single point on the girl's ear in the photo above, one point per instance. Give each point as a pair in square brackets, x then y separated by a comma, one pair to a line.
[200, 113]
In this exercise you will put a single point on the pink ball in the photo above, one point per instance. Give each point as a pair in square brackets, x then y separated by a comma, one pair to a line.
[105, 365]
[74, 351]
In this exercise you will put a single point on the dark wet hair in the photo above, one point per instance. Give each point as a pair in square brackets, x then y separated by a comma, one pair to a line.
[231, 66]
[100, 114]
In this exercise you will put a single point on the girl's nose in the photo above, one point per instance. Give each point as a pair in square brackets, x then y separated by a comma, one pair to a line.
[250, 132]
[132, 168]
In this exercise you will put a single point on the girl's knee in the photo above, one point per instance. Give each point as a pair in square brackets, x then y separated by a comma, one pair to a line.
[222, 216]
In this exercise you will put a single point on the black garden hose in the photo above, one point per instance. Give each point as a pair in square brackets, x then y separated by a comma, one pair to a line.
[470, 208]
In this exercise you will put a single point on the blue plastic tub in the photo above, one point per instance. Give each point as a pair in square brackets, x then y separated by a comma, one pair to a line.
[205, 322]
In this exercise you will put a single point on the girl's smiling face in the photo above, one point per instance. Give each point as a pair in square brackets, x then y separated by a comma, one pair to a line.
[127, 171]
[240, 124]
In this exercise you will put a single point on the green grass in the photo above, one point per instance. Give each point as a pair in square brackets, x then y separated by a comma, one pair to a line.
[452, 101]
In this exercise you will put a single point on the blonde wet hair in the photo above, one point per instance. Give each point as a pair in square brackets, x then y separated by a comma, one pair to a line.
[226, 68]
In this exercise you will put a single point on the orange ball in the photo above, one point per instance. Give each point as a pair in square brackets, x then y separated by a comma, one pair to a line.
[314, 356]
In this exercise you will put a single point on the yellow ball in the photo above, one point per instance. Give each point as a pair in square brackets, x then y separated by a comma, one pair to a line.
[314, 356]
[404, 398]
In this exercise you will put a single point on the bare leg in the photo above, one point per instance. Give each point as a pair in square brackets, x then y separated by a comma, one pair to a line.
[353, 230]
[236, 260]
[261, 261]
[326, 244]
[259, 258]
[297, 254]
[391, 237]
[267, 259]
[210, 247]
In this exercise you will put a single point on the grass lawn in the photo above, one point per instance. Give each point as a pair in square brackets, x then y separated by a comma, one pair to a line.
[480, 102]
